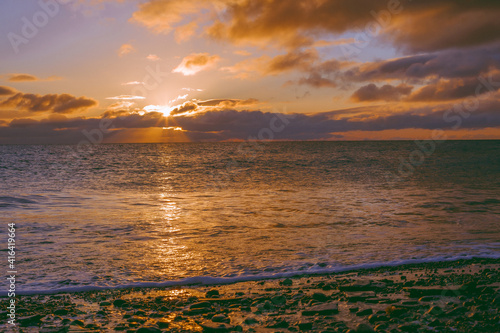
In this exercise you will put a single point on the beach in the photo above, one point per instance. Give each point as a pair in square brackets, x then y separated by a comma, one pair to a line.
[455, 296]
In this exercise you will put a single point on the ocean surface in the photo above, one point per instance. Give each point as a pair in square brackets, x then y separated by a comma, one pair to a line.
[117, 215]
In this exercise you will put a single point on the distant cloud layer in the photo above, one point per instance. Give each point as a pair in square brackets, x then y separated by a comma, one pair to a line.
[212, 121]
[29, 77]
[22, 77]
[7, 91]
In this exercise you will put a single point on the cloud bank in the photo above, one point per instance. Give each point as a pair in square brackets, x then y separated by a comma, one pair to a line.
[55, 103]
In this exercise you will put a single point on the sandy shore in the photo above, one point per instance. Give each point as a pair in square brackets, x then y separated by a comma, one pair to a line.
[458, 296]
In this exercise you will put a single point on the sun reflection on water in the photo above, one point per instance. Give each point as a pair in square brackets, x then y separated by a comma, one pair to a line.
[168, 252]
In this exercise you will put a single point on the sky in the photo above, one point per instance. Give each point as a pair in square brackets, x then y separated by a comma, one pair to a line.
[102, 71]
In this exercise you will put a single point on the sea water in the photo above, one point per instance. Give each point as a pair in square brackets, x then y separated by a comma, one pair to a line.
[117, 215]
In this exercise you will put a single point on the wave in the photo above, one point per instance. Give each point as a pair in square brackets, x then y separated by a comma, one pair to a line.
[14, 200]
[211, 280]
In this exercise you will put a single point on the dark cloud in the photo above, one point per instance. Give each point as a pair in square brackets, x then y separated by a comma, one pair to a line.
[7, 91]
[436, 25]
[212, 104]
[62, 103]
[459, 38]
[296, 60]
[228, 124]
[319, 73]
[386, 92]
[453, 89]
[185, 107]
[323, 74]
[424, 25]
[445, 64]
[317, 80]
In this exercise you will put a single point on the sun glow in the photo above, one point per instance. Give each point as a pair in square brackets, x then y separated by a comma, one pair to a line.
[165, 109]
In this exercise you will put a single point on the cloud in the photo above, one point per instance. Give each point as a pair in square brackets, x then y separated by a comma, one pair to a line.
[191, 89]
[317, 80]
[467, 47]
[153, 57]
[178, 98]
[132, 83]
[7, 91]
[371, 92]
[243, 53]
[22, 77]
[228, 103]
[324, 74]
[306, 61]
[62, 103]
[326, 43]
[186, 31]
[295, 60]
[29, 77]
[444, 64]
[444, 90]
[230, 124]
[411, 25]
[188, 106]
[415, 25]
[126, 97]
[120, 105]
[468, 23]
[163, 16]
[212, 105]
[125, 49]
[195, 63]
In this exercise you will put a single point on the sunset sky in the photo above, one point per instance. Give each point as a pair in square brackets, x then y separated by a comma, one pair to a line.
[232, 70]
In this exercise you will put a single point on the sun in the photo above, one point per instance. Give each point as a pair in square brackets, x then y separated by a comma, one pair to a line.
[165, 109]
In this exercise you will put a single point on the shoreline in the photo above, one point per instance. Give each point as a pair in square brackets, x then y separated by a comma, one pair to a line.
[214, 280]
[445, 296]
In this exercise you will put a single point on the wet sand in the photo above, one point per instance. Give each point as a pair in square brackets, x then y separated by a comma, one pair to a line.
[457, 296]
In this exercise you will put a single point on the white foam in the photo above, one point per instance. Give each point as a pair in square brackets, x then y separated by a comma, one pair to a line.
[210, 280]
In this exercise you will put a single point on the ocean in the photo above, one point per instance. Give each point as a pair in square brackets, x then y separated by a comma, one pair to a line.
[121, 215]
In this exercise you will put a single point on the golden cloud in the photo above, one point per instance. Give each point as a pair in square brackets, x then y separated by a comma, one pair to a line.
[125, 49]
[162, 16]
[418, 25]
[29, 77]
[56, 103]
[4, 90]
[195, 63]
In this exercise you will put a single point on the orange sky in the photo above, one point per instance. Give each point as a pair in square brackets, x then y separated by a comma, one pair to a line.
[232, 70]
